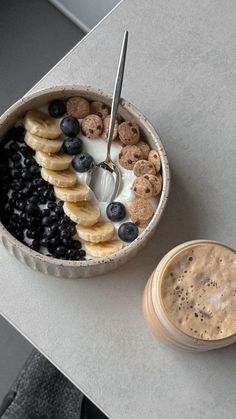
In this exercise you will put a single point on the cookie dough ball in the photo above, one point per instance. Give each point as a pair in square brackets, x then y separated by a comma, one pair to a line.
[142, 188]
[143, 167]
[92, 126]
[129, 155]
[99, 108]
[141, 211]
[156, 182]
[106, 122]
[154, 158]
[129, 133]
[78, 107]
[144, 147]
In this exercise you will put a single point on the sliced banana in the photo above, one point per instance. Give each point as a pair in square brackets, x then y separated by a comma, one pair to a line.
[54, 161]
[64, 178]
[42, 125]
[43, 144]
[99, 232]
[83, 213]
[77, 193]
[103, 249]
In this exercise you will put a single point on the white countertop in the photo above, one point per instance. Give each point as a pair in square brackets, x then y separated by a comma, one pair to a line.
[181, 73]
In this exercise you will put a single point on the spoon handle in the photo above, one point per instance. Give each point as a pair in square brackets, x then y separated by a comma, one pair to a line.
[116, 93]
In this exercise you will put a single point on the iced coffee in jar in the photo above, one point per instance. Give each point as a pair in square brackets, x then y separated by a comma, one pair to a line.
[190, 299]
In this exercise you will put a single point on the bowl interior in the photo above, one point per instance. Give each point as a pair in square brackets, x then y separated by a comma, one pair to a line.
[128, 112]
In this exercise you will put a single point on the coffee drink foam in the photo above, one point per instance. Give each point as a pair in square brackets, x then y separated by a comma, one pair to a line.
[198, 291]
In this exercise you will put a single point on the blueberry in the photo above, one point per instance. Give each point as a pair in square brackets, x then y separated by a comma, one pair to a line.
[67, 242]
[15, 219]
[35, 245]
[26, 151]
[15, 195]
[32, 209]
[38, 183]
[77, 245]
[34, 170]
[72, 230]
[19, 234]
[25, 191]
[116, 211]
[36, 194]
[72, 145]
[49, 194]
[33, 200]
[46, 221]
[43, 200]
[60, 251]
[30, 220]
[8, 209]
[81, 253]
[54, 241]
[16, 185]
[28, 162]
[14, 147]
[16, 157]
[17, 165]
[20, 205]
[45, 212]
[56, 109]
[52, 205]
[71, 254]
[70, 126]
[16, 173]
[44, 242]
[128, 232]
[48, 234]
[23, 218]
[83, 162]
[33, 234]
[65, 233]
[54, 228]
[59, 210]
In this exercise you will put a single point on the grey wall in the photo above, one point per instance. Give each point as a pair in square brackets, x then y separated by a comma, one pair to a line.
[85, 13]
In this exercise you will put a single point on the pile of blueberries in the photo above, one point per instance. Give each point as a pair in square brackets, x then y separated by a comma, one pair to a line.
[28, 207]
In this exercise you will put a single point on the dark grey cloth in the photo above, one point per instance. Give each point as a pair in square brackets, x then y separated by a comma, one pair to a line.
[42, 392]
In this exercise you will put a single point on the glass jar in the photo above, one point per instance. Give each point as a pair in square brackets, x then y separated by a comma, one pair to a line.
[156, 314]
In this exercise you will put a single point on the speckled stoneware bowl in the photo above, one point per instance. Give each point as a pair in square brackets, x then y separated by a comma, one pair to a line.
[90, 268]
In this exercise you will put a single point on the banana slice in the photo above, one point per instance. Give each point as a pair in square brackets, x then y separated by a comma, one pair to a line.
[64, 178]
[103, 249]
[55, 161]
[43, 144]
[78, 193]
[42, 125]
[83, 213]
[99, 232]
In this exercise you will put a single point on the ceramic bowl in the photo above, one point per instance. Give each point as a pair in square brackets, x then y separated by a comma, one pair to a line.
[89, 268]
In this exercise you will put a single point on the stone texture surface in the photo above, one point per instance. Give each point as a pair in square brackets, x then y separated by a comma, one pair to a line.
[181, 70]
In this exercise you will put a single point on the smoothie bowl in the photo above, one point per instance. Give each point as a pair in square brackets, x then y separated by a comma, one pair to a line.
[50, 218]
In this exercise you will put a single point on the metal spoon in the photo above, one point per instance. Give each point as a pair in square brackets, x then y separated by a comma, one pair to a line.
[105, 177]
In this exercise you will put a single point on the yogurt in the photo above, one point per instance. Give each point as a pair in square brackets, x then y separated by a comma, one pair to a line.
[98, 149]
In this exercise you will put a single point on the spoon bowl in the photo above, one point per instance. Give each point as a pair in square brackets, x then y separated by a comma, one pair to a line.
[105, 181]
